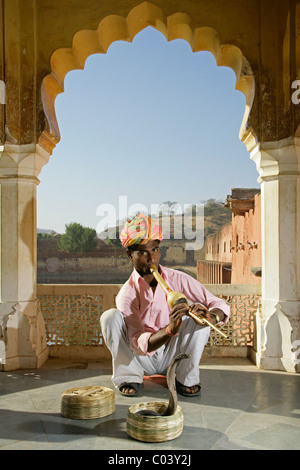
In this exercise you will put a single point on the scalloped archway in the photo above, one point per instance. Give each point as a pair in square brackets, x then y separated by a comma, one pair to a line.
[114, 28]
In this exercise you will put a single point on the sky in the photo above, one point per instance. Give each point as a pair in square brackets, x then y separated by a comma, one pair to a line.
[147, 122]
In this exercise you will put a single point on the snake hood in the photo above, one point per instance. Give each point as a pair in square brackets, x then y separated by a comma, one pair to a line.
[172, 406]
[171, 383]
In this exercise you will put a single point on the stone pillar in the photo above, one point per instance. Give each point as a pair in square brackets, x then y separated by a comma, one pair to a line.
[22, 332]
[278, 323]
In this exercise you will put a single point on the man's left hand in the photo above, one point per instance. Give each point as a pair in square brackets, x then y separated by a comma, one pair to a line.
[199, 309]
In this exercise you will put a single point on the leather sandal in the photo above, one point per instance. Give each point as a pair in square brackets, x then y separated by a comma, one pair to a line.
[137, 387]
[182, 390]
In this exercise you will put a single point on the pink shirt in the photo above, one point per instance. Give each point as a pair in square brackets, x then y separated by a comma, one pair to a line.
[146, 312]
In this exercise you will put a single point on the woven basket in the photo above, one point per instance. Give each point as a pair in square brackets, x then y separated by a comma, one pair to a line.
[87, 402]
[154, 428]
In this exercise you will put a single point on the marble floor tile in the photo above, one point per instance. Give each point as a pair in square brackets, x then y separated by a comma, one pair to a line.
[240, 407]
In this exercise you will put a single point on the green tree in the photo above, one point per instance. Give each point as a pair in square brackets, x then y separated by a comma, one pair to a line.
[52, 234]
[78, 239]
[168, 207]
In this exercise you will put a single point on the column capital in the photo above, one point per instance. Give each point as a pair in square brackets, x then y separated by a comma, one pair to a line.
[278, 158]
[22, 161]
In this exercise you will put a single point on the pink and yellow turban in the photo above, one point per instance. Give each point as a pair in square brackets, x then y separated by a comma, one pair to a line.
[140, 230]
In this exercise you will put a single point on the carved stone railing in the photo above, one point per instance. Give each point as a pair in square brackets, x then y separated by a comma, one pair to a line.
[72, 311]
[244, 301]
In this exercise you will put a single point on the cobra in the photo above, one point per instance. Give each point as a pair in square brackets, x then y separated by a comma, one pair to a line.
[172, 406]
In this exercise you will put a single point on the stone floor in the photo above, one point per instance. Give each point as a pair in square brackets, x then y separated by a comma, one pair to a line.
[240, 407]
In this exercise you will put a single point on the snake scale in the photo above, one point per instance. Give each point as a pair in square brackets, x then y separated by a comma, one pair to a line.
[172, 406]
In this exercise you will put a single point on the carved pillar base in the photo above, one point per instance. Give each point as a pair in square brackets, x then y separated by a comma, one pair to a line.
[22, 331]
[23, 336]
[278, 322]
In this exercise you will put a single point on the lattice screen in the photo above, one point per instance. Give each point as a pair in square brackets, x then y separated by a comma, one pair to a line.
[240, 329]
[72, 319]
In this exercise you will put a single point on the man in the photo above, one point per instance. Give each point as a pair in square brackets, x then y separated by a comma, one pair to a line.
[143, 334]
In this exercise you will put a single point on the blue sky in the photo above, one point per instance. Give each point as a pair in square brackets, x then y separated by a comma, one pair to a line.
[150, 121]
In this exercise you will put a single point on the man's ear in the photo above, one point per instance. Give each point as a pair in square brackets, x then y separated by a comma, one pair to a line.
[129, 254]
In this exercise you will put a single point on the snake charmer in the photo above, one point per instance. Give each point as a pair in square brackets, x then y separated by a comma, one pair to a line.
[143, 333]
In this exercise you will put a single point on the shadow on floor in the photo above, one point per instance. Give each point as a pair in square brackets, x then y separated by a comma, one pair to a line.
[240, 407]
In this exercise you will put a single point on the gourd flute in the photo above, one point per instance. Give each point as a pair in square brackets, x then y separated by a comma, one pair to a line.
[174, 297]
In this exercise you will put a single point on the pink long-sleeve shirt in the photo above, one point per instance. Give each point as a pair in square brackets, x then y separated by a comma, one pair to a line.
[146, 312]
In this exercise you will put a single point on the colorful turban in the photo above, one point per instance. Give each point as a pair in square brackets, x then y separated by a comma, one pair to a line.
[140, 230]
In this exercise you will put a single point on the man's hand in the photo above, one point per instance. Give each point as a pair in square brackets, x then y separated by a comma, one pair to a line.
[209, 315]
[199, 309]
[159, 338]
[175, 317]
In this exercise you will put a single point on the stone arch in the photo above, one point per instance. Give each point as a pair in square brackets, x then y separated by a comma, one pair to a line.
[114, 28]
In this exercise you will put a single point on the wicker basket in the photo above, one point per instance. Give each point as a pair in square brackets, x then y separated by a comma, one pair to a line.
[154, 428]
[87, 402]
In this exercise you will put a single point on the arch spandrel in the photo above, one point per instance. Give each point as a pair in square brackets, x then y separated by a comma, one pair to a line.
[115, 28]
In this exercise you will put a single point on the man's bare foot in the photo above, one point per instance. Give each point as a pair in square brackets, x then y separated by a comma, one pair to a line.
[131, 389]
[194, 390]
[127, 390]
[191, 390]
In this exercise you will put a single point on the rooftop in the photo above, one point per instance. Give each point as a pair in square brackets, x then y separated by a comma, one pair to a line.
[240, 407]
[241, 200]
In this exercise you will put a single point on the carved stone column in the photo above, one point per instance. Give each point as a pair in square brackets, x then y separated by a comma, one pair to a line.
[22, 332]
[279, 320]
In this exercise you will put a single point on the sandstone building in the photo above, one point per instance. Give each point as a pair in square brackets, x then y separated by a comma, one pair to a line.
[233, 254]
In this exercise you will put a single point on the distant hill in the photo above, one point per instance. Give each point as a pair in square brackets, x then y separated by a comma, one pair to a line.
[43, 230]
[215, 216]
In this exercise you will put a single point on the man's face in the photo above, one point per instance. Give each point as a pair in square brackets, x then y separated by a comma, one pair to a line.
[144, 256]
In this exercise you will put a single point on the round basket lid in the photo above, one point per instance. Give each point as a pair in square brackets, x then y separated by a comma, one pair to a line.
[88, 402]
[89, 392]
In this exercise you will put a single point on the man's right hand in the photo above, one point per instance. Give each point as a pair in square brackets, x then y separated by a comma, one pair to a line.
[159, 338]
[175, 317]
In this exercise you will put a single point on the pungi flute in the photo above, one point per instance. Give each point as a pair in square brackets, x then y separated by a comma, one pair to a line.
[174, 297]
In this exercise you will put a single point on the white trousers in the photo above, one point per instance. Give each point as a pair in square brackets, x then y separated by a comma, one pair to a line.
[130, 367]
